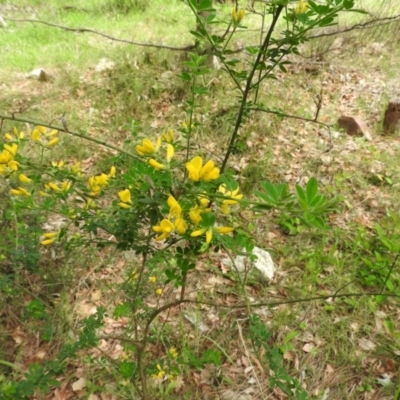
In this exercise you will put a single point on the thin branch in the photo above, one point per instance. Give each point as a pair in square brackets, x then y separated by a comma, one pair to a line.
[364, 25]
[281, 114]
[66, 130]
[82, 30]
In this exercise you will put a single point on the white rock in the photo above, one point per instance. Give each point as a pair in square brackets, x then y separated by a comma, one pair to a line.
[38, 74]
[104, 65]
[264, 263]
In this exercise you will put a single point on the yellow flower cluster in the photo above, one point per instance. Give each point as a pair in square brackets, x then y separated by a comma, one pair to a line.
[198, 172]
[166, 226]
[232, 198]
[175, 221]
[159, 374]
[7, 161]
[15, 136]
[98, 182]
[45, 136]
[148, 149]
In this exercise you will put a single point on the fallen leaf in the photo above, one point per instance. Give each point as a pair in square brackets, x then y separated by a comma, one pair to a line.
[79, 384]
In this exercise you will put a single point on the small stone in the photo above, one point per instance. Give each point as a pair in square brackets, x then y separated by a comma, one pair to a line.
[354, 126]
[39, 74]
[104, 65]
[391, 122]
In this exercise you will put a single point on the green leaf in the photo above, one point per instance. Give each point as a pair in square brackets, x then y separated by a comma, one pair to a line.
[311, 189]
[348, 4]
[302, 197]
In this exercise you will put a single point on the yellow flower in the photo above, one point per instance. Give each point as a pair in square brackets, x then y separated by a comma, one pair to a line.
[173, 352]
[175, 209]
[152, 279]
[97, 183]
[159, 293]
[229, 202]
[20, 192]
[11, 149]
[66, 185]
[302, 7]
[50, 237]
[199, 172]
[49, 136]
[170, 152]
[76, 168]
[125, 197]
[56, 164]
[160, 372]
[147, 147]
[113, 172]
[237, 16]
[53, 142]
[36, 135]
[168, 136]
[7, 136]
[201, 207]
[18, 135]
[209, 232]
[24, 179]
[90, 204]
[165, 228]
[180, 225]
[155, 164]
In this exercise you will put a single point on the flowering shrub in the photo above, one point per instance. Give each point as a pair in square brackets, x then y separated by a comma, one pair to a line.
[166, 202]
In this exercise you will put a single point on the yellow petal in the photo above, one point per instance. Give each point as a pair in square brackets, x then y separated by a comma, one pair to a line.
[170, 152]
[194, 167]
[13, 165]
[174, 207]
[35, 135]
[224, 229]
[24, 179]
[155, 164]
[113, 172]
[181, 225]
[225, 209]
[124, 205]
[209, 235]
[53, 142]
[199, 232]
[46, 242]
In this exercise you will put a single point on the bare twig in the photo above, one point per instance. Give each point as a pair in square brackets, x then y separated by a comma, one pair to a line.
[65, 129]
[82, 30]
[365, 25]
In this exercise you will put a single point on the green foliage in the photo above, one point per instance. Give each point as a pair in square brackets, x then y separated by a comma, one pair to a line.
[307, 208]
[273, 358]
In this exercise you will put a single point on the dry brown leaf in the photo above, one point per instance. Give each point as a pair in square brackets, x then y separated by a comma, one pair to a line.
[308, 347]
[79, 384]
[366, 344]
